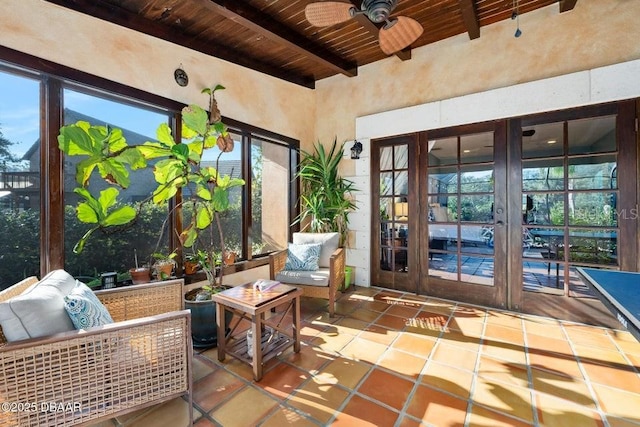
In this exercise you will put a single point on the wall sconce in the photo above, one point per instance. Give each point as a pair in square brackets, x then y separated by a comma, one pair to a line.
[356, 150]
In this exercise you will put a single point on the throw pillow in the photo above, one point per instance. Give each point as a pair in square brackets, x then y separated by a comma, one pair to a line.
[85, 309]
[329, 242]
[302, 257]
[39, 310]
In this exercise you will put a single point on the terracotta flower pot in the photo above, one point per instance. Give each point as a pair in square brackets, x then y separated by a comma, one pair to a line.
[140, 275]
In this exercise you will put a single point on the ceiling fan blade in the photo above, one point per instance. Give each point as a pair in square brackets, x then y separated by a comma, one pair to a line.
[401, 33]
[326, 13]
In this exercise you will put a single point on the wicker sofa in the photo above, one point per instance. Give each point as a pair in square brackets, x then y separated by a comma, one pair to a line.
[84, 376]
[327, 281]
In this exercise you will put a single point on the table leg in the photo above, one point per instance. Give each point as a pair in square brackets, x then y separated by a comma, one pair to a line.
[296, 325]
[256, 328]
[221, 331]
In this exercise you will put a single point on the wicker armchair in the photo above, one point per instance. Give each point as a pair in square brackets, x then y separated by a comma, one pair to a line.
[85, 376]
[331, 291]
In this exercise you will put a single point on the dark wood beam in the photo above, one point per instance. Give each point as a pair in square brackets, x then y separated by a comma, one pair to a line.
[125, 18]
[251, 18]
[470, 18]
[567, 5]
[404, 54]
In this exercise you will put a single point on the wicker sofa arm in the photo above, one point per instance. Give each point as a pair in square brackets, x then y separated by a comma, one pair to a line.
[277, 261]
[96, 374]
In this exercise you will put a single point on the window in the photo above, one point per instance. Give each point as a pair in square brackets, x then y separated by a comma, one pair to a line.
[119, 250]
[259, 221]
[19, 177]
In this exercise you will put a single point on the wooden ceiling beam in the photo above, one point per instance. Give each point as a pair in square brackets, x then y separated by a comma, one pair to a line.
[470, 18]
[404, 54]
[125, 18]
[253, 19]
[567, 5]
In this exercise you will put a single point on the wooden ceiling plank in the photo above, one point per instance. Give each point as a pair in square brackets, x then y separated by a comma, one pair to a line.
[470, 18]
[125, 18]
[567, 5]
[249, 17]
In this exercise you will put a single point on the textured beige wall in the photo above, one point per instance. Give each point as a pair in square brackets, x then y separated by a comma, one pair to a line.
[595, 33]
[106, 50]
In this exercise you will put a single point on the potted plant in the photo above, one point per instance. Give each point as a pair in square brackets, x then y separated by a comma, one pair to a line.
[163, 264]
[176, 165]
[326, 197]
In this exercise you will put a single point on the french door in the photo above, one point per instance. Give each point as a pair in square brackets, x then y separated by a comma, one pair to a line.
[501, 213]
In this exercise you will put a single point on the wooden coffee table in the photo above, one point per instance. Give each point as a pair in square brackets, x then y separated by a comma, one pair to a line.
[247, 303]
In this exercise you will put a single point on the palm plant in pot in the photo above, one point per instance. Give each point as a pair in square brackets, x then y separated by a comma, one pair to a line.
[176, 166]
[326, 197]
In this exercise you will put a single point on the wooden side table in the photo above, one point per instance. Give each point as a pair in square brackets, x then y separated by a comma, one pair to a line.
[251, 304]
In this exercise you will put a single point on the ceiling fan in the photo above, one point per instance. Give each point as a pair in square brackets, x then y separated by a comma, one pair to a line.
[396, 33]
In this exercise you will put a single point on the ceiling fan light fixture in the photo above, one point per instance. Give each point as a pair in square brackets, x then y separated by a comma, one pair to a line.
[378, 10]
[327, 13]
[398, 34]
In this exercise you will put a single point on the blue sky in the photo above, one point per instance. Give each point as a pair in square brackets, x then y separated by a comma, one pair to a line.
[19, 113]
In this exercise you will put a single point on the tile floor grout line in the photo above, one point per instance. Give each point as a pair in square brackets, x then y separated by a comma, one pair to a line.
[587, 379]
[527, 361]
[418, 381]
[476, 371]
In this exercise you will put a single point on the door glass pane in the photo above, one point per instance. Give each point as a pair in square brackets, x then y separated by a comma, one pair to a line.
[443, 180]
[540, 175]
[589, 246]
[443, 208]
[476, 179]
[592, 173]
[544, 140]
[477, 269]
[476, 239]
[593, 209]
[386, 183]
[476, 208]
[476, 148]
[19, 178]
[543, 209]
[386, 158]
[401, 184]
[443, 265]
[592, 135]
[401, 160]
[443, 152]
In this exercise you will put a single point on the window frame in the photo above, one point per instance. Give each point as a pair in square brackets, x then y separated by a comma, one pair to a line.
[54, 78]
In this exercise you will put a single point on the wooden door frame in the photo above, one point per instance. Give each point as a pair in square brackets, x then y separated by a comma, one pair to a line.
[407, 282]
[474, 293]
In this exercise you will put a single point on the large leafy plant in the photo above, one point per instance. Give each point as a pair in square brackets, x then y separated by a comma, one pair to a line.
[175, 166]
[325, 200]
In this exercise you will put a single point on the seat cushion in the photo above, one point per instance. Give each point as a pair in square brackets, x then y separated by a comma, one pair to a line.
[329, 242]
[319, 277]
[85, 309]
[303, 257]
[39, 310]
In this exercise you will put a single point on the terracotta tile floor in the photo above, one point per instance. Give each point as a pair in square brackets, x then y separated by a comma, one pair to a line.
[392, 359]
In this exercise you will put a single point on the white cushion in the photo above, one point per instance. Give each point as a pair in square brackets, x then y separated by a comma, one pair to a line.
[311, 278]
[329, 242]
[39, 310]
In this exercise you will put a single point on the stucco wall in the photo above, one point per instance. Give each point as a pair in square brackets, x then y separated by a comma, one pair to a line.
[595, 33]
[106, 50]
